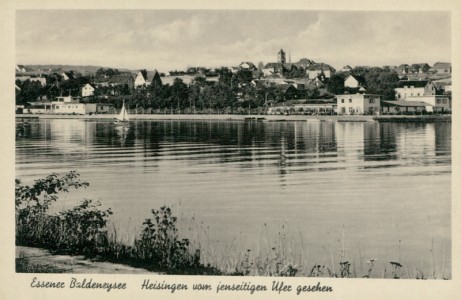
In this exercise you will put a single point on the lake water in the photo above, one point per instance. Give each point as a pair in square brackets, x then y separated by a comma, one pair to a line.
[317, 190]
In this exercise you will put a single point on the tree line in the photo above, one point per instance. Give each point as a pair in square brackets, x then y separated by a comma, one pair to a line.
[231, 92]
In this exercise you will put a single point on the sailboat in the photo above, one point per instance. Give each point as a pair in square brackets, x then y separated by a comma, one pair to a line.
[122, 118]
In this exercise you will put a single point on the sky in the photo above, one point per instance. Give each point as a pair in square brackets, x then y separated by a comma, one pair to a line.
[176, 39]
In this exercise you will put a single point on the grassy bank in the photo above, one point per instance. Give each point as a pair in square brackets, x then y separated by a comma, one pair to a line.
[83, 230]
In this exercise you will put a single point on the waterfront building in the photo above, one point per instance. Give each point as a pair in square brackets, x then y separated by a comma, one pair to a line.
[71, 105]
[358, 104]
[314, 107]
[414, 88]
[437, 103]
[403, 106]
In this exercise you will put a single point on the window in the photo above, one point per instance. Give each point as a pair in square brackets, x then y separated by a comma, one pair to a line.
[438, 101]
[342, 100]
[371, 101]
[444, 101]
[57, 106]
[350, 100]
[418, 94]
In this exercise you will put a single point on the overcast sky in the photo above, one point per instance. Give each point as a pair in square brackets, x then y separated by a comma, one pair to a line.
[174, 39]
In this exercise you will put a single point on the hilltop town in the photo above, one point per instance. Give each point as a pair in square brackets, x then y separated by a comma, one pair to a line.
[280, 87]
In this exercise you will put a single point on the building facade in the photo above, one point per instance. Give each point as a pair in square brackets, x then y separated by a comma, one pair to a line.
[87, 90]
[414, 88]
[358, 104]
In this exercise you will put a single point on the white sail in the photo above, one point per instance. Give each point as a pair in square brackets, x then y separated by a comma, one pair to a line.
[123, 116]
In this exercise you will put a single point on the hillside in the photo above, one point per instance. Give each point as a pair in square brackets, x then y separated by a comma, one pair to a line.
[84, 70]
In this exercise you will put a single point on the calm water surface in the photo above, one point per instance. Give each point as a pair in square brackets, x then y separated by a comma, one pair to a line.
[311, 188]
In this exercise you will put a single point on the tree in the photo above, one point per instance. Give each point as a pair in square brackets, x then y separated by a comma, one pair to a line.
[30, 91]
[179, 93]
[336, 84]
[242, 77]
[382, 82]
[225, 76]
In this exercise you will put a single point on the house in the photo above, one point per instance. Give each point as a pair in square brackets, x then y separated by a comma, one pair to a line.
[438, 103]
[72, 105]
[433, 103]
[321, 68]
[304, 63]
[20, 69]
[389, 67]
[299, 84]
[41, 80]
[146, 78]
[22, 78]
[441, 68]
[67, 76]
[288, 90]
[419, 68]
[141, 79]
[247, 66]
[358, 104]
[105, 108]
[273, 68]
[354, 81]
[402, 69]
[394, 107]
[234, 70]
[186, 79]
[410, 88]
[122, 79]
[346, 68]
[101, 81]
[87, 90]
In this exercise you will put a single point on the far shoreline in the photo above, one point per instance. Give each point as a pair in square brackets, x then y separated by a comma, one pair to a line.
[259, 118]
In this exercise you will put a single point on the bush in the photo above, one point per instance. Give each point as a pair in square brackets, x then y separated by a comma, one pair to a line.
[77, 230]
[159, 243]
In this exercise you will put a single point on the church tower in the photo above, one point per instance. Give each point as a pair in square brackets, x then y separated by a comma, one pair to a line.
[281, 57]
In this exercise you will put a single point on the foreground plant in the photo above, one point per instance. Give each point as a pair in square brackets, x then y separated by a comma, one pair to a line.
[160, 245]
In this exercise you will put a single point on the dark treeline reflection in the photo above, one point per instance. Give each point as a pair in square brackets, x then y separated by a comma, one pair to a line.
[287, 143]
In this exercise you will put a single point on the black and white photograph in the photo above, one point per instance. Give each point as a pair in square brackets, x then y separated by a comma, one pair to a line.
[312, 145]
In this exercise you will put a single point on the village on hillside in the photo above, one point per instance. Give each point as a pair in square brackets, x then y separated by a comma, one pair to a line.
[281, 87]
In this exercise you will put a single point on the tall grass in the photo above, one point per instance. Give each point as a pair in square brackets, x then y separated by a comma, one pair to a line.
[158, 246]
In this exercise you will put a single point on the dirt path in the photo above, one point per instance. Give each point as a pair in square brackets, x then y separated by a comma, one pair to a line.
[36, 260]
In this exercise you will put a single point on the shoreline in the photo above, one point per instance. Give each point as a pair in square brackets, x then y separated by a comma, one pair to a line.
[42, 260]
[258, 118]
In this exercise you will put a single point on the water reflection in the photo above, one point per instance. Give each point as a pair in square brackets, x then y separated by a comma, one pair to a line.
[383, 181]
[286, 146]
